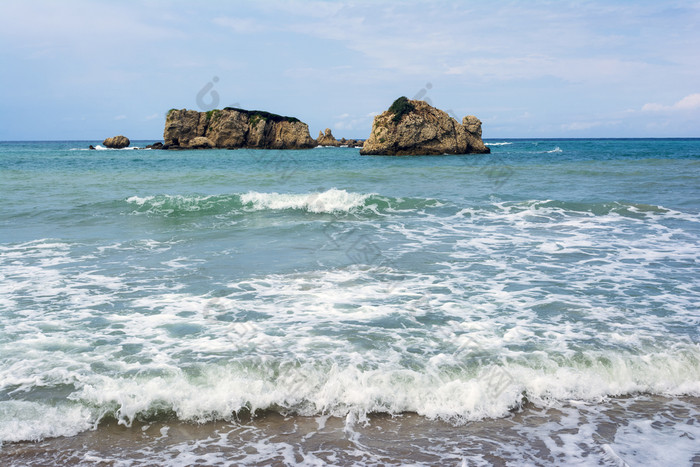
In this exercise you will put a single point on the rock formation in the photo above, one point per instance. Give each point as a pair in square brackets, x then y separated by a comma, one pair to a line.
[412, 127]
[117, 142]
[351, 143]
[233, 128]
[327, 139]
[201, 142]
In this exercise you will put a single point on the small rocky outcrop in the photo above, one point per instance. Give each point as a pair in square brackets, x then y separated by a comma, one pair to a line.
[116, 142]
[327, 139]
[412, 127]
[233, 128]
[351, 143]
[157, 145]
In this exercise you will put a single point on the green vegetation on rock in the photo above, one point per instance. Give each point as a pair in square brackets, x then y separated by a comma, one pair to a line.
[213, 115]
[253, 119]
[401, 107]
[256, 115]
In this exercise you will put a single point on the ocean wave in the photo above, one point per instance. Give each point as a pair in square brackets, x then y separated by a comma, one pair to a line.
[555, 150]
[497, 144]
[443, 389]
[329, 201]
[332, 200]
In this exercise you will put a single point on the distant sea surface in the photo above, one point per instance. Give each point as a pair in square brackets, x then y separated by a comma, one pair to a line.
[537, 305]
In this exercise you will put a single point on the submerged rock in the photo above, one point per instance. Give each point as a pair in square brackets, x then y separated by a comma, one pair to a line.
[233, 128]
[412, 127]
[116, 142]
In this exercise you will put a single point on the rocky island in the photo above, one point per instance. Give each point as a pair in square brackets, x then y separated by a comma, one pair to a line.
[412, 127]
[408, 127]
[233, 128]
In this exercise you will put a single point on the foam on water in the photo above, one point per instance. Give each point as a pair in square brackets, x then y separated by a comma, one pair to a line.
[454, 344]
[102, 148]
[641, 431]
[328, 201]
[460, 314]
[27, 421]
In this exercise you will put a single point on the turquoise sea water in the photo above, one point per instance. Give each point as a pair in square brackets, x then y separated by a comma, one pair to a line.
[535, 305]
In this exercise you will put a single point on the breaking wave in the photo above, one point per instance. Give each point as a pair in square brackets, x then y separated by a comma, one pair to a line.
[330, 201]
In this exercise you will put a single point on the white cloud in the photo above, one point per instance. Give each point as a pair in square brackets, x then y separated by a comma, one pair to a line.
[120, 117]
[348, 122]
[689, 102]
[406, 40]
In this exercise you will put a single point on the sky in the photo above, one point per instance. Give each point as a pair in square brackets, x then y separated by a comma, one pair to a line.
[86, 70]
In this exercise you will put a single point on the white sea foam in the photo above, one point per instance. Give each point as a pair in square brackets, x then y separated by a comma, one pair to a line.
[555, 150]
[332, 200]
[184, 202]
[531, 299]
[33, 421]
[102, 148]
[627, 431]
[497, 144]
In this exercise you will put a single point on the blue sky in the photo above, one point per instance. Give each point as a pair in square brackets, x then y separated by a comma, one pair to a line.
[92, 69]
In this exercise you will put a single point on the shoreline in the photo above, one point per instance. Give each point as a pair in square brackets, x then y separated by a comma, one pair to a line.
[603, 432]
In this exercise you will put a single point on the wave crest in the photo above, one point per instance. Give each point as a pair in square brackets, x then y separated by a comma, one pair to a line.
[333, 201]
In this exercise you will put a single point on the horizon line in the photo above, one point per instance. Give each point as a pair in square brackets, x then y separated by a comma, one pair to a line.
[521, 138]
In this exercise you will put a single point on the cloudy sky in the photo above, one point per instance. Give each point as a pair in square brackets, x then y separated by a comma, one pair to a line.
[90, 69]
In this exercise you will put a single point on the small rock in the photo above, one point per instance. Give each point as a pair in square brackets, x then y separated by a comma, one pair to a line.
[117, 142]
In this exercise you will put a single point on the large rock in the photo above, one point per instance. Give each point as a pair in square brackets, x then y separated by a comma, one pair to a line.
[233, 128]
[327, 139]
[116, 142]
[412, 127]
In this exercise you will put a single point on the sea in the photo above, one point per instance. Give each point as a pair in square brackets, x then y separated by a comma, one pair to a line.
[539, 305]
